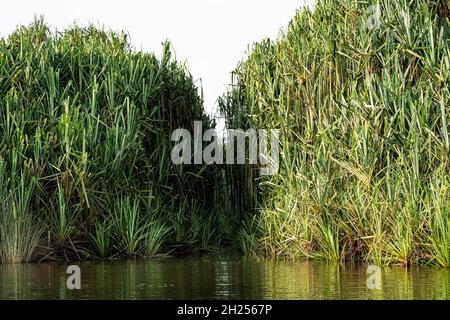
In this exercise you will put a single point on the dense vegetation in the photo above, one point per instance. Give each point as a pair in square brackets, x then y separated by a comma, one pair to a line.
[85, 168]
[362, 106]
[361, 101]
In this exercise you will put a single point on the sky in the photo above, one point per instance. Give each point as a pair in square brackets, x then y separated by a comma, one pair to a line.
[211, 36]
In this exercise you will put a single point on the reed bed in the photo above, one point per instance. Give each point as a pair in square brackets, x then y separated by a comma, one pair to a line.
[364, 124]
[85, 168]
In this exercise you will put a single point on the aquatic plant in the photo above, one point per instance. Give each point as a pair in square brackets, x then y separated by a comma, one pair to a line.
[19, 231]
[90, 119]
[360, 94]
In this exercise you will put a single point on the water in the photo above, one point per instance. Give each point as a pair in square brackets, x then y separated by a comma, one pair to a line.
[219, 277]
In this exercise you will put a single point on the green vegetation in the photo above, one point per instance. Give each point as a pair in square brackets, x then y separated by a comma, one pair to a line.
[360, 100]
[85, 168]
[364, 119]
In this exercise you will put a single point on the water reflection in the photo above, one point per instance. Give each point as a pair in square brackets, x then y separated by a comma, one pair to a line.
[219, 277]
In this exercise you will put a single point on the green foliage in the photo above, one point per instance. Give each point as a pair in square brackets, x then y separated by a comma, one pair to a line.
[90, 119]
[363, 115]
[19, 230]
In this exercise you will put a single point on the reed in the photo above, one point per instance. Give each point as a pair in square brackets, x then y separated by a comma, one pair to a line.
[90, 119]
[364, 118]
[19, 231]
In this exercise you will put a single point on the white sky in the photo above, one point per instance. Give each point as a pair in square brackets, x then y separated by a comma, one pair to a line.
[211, 35]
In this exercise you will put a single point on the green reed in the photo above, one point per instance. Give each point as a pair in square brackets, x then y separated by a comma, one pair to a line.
[89, 119]
[364, 117]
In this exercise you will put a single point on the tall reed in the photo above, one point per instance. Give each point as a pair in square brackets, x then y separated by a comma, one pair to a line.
[362, 105]
[90, 119]
[20, 231]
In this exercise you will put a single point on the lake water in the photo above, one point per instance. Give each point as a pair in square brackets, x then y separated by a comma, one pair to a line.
[220, 276]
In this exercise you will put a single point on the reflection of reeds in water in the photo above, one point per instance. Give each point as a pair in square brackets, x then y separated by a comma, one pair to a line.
[222, 277]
